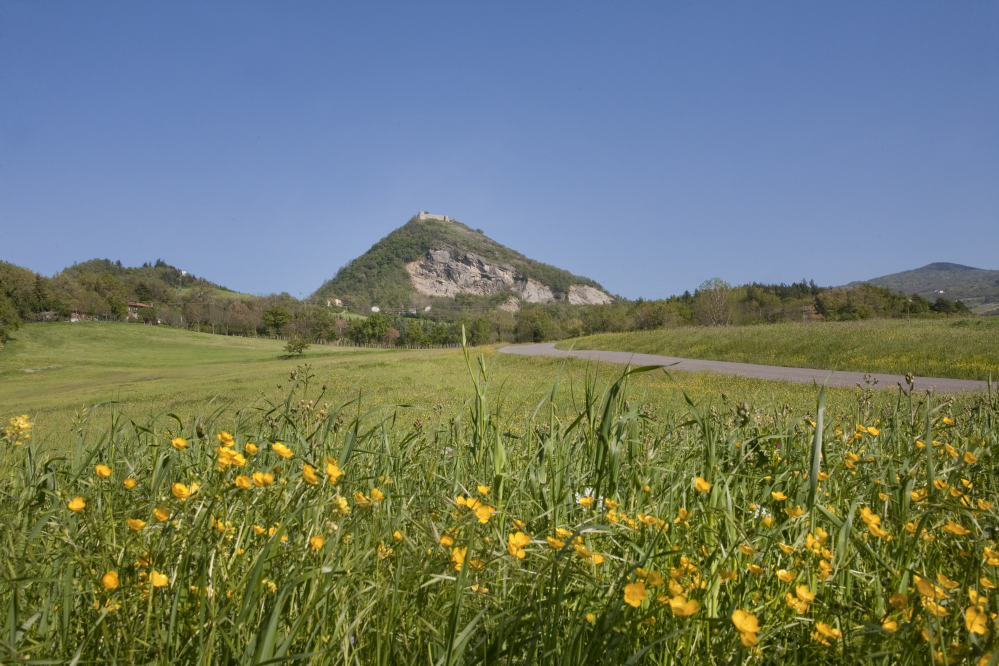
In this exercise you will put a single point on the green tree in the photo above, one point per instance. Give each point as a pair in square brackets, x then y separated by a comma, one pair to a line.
[297, 345]
[481, 331]
[713, 302]
[9, 321]
[415, 335]
[276, 318]
[535, 325]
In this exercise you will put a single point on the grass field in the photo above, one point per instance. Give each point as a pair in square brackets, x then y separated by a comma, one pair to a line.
[56, 372]
[602, 528]
[961, 349]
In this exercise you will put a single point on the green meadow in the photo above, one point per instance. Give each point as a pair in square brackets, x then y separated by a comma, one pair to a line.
[57, 372]
[960, 349]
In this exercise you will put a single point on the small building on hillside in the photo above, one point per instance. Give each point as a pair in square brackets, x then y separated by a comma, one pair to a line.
[133, 309]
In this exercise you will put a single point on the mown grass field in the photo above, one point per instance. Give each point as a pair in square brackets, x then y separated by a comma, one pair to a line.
[961, 349]
[57, 372]
[529, 519]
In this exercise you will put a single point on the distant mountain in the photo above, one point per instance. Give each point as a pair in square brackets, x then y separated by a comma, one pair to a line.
[433, 258]
[977, 287]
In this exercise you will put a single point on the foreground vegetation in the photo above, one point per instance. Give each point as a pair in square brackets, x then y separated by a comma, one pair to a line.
[960, 348]
[306, 529]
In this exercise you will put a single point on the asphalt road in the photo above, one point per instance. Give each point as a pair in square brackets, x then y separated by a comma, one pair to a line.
[803, 375]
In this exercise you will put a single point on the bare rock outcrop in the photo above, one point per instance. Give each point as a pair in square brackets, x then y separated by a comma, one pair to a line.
[511, 305]
[584, 294]
[445, 272]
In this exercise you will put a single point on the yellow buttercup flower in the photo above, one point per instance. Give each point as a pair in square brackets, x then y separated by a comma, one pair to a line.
[397, 535]
[250, 448]
[586, 501]
[877, 531]
[447, 541]
[899, 601]
[970, 458]
[786, 576]
[803, 593]
[635, 593]
[682, 515]
[483, 490]
[754, 569]
[77, 504]
[158, 579]
[102, 471]
[179, 443]
[258, 530]
[701, 486]
[316, 542]
[682, 607]
[162, 515]
[333, 472]
[136, 524]
[794, 512]
[987, 584]
[745, 622]
[767, 521]
[361, 500]
[243, 482]
[309, 475]
[889, 625]
[458, 557]
[556, 544]
[129, 483]
[483, 512]
[822, 476]
[786, 548]
[281, 450]
[377, 495]
[225, 438]
[182, 492]
[947, 582]
[516, 543]
[262, 479]
[976, 620]
[955, 528]
[779, 496]
[110, 580]
[746, 549]
[874, 431]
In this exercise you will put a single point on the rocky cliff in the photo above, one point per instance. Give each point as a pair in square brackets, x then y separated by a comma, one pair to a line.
[446, 271]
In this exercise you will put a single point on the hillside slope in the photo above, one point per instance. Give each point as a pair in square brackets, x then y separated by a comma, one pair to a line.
[977, 287]
[435, 257]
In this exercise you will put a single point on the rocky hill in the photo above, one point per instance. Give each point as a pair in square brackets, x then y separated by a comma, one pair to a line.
[977, 287]
[433, 257]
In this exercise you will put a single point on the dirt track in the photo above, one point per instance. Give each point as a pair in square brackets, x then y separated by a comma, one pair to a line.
[802, 375]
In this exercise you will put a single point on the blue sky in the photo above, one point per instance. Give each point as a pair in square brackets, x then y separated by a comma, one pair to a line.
[649, 146]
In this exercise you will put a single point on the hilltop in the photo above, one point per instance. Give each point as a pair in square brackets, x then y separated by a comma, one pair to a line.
[977, 287]
[435, 258]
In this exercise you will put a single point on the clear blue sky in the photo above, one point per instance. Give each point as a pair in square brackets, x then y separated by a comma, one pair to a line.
[649, 146]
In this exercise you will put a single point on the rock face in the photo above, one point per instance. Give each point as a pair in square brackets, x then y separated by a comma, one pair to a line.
[444, 272]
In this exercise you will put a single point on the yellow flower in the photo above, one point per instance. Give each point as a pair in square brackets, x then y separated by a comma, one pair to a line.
[316, 542]
[983, 505]
[883, 497]
[822, 476]
[77, 504]
[682, 515]
[182, 492]
[225, 438]
[129, 483]
[243, 482]
[970, 458]
[877, 531]
[947, 582]
[635, 593]
[361, 500]
[786, 548]
[333, 471]
[779, 496]
[483, 512]
[136, 524]
[955, 528]
[309, 475]
[928, 590]
[377, 495]
[753, 569]
[987, 584]
[515, 544]
[447, 541]
[586, 501]
[483, 490]
[250, 448]
[261, 479]
[110, 580]
[874, 431]
[768, 521]
[745, 622]
[804, 593]
[910, 527]
[746, 549]
[281, 450]
[458, 557]
[681, 607]
[158, 579]
[868, 517]
[889, 625]
[102, 471]
[590, 618]
[918, 495]
[936, 609]
[794, 512]
[748, 639]
[162, 515]
[397, 535]
[940, 484]
[179, 443]
[948, 420]
[786, 576]
[258, 530]
[555, 543]
[899, 601]
[701, 485]
[825, 630]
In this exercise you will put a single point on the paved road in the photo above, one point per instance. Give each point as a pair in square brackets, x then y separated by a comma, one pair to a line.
[804, 375]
